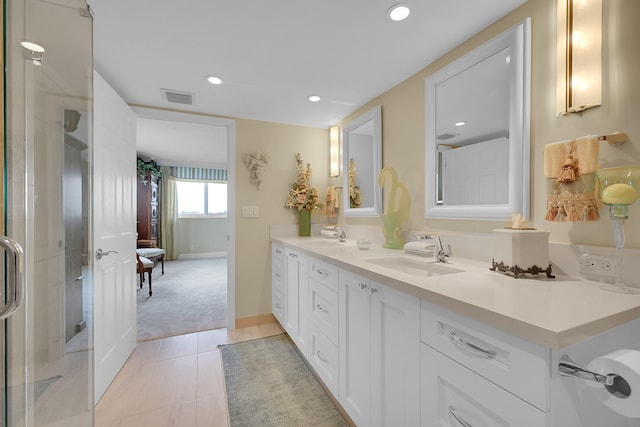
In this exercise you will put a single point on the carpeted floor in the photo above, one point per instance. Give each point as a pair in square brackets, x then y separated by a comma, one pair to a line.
[191, 296]
[268, 384]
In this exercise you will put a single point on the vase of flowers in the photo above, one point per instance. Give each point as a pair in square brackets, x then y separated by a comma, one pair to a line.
[303, 197]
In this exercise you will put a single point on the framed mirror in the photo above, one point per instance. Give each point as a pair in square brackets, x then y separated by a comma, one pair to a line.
[362, 161]
[477, 131]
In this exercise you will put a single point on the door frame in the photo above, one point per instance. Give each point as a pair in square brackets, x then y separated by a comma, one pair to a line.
[230, 125]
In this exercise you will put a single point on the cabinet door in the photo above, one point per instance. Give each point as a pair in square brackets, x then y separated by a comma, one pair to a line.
[296, 295]
[355, 356]
[395, 357]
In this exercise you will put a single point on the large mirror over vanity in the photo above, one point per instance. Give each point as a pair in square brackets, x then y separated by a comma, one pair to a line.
[477, 131]
[362, 161]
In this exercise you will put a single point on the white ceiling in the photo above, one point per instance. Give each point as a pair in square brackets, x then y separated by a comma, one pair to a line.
[272, 54]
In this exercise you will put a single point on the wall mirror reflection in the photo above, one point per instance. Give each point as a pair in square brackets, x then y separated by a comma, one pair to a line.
[477, 132]
[362, 160]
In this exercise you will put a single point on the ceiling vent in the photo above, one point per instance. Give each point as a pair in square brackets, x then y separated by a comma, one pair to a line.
[447, 135]
[177, 96]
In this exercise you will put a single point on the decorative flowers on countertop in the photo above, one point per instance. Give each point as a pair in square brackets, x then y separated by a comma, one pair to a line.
[302, 196]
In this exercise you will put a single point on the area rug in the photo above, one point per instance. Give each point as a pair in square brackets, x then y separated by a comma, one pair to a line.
[191, 296]
[269, 384]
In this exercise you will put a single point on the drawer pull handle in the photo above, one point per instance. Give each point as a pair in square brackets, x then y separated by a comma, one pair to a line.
[278, 306]
[470, 346]
[293, 255]
[372, 290]
[278, 275]
[322, 308]
[322, 273]
[321, 357]
[362, 286]
[458, 418]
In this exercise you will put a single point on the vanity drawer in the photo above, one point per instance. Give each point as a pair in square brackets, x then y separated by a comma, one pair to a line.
[323, 310]
[277, 253]
[277, 276]
[324, 273]
[517, 365]
[452, 395]
[277, 305]
[323, 356]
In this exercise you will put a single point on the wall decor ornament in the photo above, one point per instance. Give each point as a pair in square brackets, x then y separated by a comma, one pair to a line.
[256, 162]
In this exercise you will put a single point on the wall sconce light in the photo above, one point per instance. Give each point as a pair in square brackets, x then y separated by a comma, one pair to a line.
[334, 151]
[579, 74]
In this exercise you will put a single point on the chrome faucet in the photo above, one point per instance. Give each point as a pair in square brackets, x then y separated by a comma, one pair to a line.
[342, 236]
[441, 254]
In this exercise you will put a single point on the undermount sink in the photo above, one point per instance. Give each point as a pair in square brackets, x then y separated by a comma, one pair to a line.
[415, 267]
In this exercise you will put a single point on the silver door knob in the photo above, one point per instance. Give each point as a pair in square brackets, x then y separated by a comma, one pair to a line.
[100, 253]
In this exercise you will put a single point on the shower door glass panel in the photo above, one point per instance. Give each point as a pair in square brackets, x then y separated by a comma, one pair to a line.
[48, 137]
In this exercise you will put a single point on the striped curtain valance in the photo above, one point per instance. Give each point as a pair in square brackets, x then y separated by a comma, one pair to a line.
[198, 174]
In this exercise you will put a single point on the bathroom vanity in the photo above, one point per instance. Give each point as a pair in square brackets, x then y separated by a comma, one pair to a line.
[401, 340]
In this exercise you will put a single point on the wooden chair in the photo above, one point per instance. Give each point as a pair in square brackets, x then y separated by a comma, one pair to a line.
[145, 265]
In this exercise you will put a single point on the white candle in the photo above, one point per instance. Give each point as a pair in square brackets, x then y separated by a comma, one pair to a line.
[619, 194]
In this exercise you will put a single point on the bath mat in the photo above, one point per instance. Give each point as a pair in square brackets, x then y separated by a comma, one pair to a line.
[269, 384]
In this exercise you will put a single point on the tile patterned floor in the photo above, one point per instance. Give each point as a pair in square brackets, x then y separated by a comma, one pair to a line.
[174, 382]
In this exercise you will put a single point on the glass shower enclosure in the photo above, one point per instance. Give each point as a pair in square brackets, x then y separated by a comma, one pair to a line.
[46, 368]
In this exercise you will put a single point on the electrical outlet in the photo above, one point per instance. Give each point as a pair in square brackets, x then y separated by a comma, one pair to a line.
[600, 265]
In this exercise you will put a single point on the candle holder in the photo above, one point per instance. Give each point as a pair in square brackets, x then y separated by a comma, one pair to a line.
[619, 188]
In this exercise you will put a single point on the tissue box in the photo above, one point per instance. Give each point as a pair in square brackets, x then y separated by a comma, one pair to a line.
[522, 248]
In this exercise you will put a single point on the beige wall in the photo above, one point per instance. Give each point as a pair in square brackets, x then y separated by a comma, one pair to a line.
[253, 256]
[404, 139]
[403, 118]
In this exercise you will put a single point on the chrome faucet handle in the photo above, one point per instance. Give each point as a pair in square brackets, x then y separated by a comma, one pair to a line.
[442, 255]
[342, 236]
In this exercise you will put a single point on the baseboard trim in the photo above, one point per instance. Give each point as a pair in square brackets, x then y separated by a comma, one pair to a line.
[261, 319]
[203, 255]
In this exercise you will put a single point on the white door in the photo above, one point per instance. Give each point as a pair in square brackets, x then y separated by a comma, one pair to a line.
[114, 233]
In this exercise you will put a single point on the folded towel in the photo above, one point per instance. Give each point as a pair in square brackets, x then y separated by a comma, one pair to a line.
[585, 152]
[330, 199]
[569, 168]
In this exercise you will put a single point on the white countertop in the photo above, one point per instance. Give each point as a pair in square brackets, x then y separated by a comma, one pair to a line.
[551, 312]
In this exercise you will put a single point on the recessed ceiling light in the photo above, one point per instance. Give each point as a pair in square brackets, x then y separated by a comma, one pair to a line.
[32, 47]
[214, 80]
[461, 123]
[313, 98]
[398, 12]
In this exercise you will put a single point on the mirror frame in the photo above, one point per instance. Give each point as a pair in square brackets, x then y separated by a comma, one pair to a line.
[519, 39]
[374, 114]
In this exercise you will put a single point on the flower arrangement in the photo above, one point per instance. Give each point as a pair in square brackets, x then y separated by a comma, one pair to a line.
[302, 196]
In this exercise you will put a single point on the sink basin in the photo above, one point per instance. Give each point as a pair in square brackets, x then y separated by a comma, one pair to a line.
[415, 267]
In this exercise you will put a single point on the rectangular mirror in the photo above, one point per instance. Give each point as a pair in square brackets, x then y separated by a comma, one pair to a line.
[362, 161]
[477, 132]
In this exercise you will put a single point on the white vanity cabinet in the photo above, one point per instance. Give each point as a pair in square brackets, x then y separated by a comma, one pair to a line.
[296, 291]
[379, 353]
[277, 281]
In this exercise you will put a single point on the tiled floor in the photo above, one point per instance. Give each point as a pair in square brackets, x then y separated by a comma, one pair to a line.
[174, 381]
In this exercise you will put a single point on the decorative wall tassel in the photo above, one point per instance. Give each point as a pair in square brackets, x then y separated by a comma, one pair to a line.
[562, 214]
[552, 212]
[569, 170]
[573, 215]
[592, 212]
